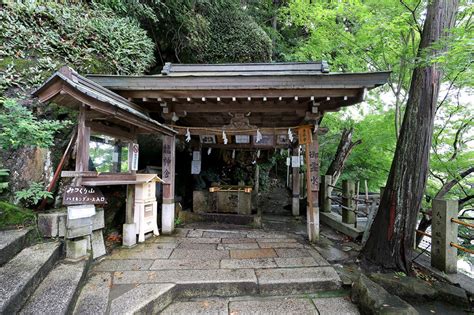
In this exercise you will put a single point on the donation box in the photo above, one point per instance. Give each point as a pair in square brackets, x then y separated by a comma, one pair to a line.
[145, 208]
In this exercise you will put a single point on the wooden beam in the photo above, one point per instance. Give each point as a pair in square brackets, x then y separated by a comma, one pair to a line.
[83, 137]
[113, 131]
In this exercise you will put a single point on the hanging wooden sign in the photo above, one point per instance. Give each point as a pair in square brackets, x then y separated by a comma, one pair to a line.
[81, 195]
[305, 135]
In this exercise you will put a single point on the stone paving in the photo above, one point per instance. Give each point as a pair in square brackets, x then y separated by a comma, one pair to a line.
[168, 271]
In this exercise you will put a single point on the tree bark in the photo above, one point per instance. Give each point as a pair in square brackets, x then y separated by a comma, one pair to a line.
[391, 239]
[344, 149]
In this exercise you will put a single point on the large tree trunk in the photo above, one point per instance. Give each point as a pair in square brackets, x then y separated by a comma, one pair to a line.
[344, 149]
[426, 219]
[392, 234]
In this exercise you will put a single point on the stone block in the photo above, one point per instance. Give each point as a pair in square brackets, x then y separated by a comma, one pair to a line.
[62, 222]
[443, 255]
[373, 299]
[296, 262]
[143, 299]
[238, 246]
[199, 254]
[123, 264]
[200, 201]
[238, 240]
[280, 245]
[297, 280]
[200, 246]
[273, 306]
[222, 235]
[129, 235]
[252, 253]
[215, 276]
[194, 233]
[167, 264]
[292, 252]
[94, 296]
[336, 305]
[98, 220]
[142, 251]
[79, 231]
[98, 245]
[48, 224]
[76, 249]
[248, 263]
[78, 223]
[208, 306]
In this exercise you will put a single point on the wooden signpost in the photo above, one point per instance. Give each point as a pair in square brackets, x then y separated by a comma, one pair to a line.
[81, 195]
[311, 160]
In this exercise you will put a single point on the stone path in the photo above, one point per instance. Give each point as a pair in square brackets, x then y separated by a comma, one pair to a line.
[200, 263]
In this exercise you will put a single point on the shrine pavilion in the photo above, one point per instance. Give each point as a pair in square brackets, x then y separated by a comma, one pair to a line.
[259, 106]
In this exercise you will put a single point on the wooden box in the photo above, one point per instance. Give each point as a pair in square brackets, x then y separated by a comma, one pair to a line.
[145, 191]
[145, 219]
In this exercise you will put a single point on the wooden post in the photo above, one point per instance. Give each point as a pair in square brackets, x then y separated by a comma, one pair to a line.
[312, 188]
[325, 193]
[444, 232]
[258, 219]
[295, 204]
[348, 188]
[168, 176]
[83, 138]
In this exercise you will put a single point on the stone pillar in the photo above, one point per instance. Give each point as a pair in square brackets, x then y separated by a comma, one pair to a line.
[443, 232]
[129, 228]
[325, 193]
[295, 204]
[168, 176]
[258, 218]
[348, 189]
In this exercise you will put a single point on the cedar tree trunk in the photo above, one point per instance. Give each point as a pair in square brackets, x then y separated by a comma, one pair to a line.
[344, 149]
[392, 233]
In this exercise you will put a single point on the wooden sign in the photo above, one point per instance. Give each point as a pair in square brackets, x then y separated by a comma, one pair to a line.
[81, 195]
[267, 140]
[242, 139]
[305, 135]
[134, 162]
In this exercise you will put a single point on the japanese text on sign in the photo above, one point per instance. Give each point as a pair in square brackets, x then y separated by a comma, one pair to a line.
[80, 195]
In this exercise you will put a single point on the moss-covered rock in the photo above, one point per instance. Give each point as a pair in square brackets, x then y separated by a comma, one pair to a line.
[11, 215]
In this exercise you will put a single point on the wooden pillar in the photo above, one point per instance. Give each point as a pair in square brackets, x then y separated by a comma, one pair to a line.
[83, 138]
[312, 167]
[258, 218]
[295, 164]
[444, 232]
[348, 189]
[325, 193]
[168, 176]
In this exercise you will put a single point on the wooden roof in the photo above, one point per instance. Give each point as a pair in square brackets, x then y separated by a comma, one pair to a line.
[107, 111]
[271, 95]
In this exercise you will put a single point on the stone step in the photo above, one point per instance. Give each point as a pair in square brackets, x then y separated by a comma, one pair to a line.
[12, 242]
[144, 299]
[22, 274]
[57, 292]
[94, 296]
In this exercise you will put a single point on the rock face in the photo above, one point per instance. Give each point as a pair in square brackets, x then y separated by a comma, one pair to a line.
[373, 299]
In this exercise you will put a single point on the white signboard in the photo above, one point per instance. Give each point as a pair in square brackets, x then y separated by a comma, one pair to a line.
[196, 167]
[295, 161]
[196, 155]
[134, 162]
[242, 139]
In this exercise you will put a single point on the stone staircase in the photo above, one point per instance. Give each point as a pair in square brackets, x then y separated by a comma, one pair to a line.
[33, 278]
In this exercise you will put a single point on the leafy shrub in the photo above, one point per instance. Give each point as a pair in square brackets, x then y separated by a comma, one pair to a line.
[37, 38]
[18, 127]
[34, 194]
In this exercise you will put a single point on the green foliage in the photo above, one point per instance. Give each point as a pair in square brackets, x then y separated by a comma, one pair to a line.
[34, 194]
[18, 127]
[3, 173]
[11, 215]
[372, 158]
[38, 38]
[199, 31]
